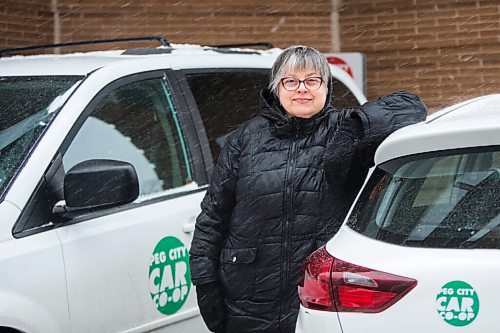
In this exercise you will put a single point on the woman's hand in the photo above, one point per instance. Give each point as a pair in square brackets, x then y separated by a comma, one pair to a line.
[211, 304]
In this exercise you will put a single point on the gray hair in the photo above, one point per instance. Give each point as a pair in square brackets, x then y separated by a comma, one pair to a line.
[298, 57]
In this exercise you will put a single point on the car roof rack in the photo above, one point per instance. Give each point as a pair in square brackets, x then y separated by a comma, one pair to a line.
[221, 48]
[161, 39]
[261, 44]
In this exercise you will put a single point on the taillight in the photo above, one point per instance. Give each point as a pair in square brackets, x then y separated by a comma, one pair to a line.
[331, 284]
[315, 291]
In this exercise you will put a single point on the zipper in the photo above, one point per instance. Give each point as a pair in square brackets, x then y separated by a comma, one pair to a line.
[286, 230]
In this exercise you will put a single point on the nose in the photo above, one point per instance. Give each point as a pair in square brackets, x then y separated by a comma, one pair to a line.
[302, 87]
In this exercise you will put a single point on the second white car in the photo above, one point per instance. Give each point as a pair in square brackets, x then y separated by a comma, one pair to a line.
[420, 249]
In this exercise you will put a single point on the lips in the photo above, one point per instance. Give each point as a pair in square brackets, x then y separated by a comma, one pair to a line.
[302, 100]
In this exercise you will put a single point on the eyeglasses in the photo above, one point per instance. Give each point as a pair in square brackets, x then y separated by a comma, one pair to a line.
[311, 83]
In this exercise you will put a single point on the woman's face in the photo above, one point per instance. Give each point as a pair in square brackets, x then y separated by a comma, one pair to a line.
[302, 102]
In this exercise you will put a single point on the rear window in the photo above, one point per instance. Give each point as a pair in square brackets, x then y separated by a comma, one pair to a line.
[434, 201]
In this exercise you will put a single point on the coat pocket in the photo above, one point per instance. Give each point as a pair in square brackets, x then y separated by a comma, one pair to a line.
[237, 272]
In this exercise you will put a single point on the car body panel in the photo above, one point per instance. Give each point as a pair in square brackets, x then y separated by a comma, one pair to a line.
[451, 128]
[432, 268]
[111, 256]
[33, 300]
[310, 320]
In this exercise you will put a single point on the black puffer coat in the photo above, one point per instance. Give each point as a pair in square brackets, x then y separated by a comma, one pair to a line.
[269, 206]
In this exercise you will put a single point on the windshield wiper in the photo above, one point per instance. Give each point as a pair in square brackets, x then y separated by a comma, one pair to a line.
[13, 133]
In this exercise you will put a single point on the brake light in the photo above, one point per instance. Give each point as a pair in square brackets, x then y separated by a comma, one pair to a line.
[315, 289]
[331, 284]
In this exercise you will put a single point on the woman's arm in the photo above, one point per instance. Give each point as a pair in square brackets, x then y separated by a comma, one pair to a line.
[216, 207]
[210, 234]
[350, 151]
[384, 116]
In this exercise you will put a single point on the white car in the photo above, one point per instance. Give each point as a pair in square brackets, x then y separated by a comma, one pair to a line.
[104, 160]
[420, 248]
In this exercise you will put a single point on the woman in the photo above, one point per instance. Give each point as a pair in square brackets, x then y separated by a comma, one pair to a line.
[281, 187]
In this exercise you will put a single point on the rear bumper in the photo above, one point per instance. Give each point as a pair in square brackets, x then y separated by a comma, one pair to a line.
[313, 321]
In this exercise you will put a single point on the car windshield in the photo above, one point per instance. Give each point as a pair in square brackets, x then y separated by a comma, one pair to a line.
[435, 200]
[27, 104]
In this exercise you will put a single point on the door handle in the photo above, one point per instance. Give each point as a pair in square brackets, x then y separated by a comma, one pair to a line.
[188, 227]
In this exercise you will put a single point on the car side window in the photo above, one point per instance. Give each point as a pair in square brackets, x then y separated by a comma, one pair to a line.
[226, 99]
[136, 123]
[342, 97]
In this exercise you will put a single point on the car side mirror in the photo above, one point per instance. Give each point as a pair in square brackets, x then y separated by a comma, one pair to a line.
[98, 184]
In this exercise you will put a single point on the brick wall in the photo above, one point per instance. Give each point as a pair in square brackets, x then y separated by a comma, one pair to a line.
[283, 22]
[445, 51]
[25, 22]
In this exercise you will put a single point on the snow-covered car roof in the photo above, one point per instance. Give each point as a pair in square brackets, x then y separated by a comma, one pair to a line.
[82, 63]
[473, 123]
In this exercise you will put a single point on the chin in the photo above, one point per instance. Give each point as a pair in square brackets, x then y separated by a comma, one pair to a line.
[302, 113]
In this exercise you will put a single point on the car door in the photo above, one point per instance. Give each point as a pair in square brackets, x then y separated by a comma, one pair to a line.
[127, 267]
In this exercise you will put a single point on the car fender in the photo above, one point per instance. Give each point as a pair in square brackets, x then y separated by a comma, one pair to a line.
[21, 313]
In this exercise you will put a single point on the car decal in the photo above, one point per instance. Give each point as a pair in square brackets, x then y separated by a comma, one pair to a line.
[169, 276]
[457, 303]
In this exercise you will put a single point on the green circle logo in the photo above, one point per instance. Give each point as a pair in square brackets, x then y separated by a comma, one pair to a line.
[169, 276]
[457, 303]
